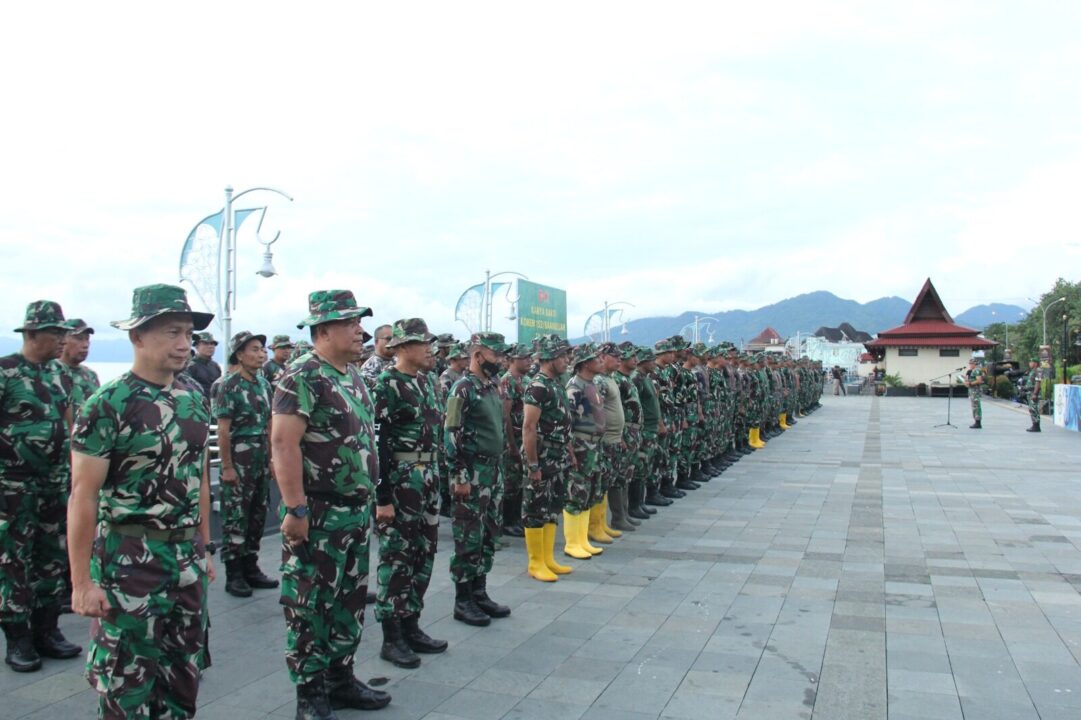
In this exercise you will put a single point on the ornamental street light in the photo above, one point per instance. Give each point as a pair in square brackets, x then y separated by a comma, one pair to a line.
[474, 308]
[606, 314]
[694, 326]
[1054, 302]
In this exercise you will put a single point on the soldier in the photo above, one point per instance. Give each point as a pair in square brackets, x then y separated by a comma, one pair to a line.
[546, 445]
[84, 380]
[457, 362]
[1030, 387]
[300, 349]
[671, 417]
[323, 439]
[242, 409]
[973, 379]
[474, 443]
[629, 488]
[35, 414]
[613, 452]
[203, 369]
[140, 477]
[274, 368]
[443, 343]
[512, 384]
[381, 359]
[652, 426]
[587, 416]
[410, 421]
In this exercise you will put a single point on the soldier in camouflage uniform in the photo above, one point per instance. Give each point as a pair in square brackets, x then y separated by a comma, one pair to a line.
[457, 362]
[672, 419]
[973, 379]
[203, 369]
[140, 479]
[410, 421]
[629, 506]
[325, 462]
[546, 445]
[587, 413]
[241, 406]
[84, 381]
[1030, 393]
[688, 398]
[274, 368]
[381, 359]
[512, 384]
[300, 349]
[611, 449]
[474, 442]
[35, 414]
[644, 468]
[443, 343]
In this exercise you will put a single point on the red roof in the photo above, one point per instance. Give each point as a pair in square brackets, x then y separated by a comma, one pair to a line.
[769, 336]
[929, 325]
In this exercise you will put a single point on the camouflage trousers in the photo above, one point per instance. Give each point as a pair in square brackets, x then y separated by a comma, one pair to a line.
[324, 584]
[687, 453]
[33, 550]
[407, 544]
[613, 466]
[643, 460]
[974, 401]
[1033, 404]
[543, 501]
[244, 503]
[476, 523]
[663, 460]
[146, 654]
[584, 480]
[621, 459]
[514, 474]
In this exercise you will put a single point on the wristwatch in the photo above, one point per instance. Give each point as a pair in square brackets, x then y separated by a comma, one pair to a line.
[297, 511]
[533, 467]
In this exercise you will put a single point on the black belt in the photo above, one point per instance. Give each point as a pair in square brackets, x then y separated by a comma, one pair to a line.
[484, 459]
[337, 499]
[135, 530]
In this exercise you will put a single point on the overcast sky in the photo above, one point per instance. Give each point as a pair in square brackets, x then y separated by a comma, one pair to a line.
[678, 156]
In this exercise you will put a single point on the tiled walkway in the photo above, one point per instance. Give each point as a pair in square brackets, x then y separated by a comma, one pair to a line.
[865, 561]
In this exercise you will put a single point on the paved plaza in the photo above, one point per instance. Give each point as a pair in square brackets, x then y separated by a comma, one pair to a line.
[865, 565]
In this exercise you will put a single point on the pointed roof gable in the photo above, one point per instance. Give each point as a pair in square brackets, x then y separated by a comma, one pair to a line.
[928, 306]
[769, 336]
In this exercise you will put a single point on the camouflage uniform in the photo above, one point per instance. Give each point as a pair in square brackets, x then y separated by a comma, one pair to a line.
[84, 382]
[587, 413]
[272, 370]
[651, 415]
[410, 423]
[244, 504]
[514, 473]
[204, 370]
[632, 428]
[542, 502]
[974, 379]
[612, 437]
[665, 458]
[373, 367]
[1031, 389]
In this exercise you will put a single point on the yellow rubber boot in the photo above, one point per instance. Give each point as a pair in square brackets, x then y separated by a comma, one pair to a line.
[751, 439]
[595, 526]
[583, 535]
[548, 551]
[756, 439]
[782, 418]
[608, 529]
[572, 536]
[534, 545]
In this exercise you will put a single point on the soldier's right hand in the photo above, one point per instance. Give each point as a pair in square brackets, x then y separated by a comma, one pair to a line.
[89, 601]
[229, 476]
[294, 529]
[384, 513]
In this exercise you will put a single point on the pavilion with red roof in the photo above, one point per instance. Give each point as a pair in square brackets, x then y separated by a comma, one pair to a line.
[928, 344]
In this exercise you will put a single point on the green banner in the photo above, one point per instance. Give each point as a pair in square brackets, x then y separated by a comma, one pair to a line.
[542, 310]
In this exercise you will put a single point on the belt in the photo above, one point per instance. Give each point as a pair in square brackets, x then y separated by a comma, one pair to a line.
[588, 437]
[134, 530]
[336, 499]
[414, 456]
[484, 459]
[634, 426]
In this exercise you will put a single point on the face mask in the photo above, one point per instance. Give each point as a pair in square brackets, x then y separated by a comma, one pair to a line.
[491, 369]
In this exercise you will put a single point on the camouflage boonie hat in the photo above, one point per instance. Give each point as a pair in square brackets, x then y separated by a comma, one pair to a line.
[457, 351]
[281, 341]
[699, 350]
[584, 353]
[302, 346]
[646, 354]
[663, 346]
[78, 326]
[445, 340]
[628, 350]
[607, 348]
[42, 314]
[519, 351]
[678, 343]
[550, 347]
[329, 305]
[203, 337]
[151, 301]
[491, 340]
[238, 342]
[410, 330]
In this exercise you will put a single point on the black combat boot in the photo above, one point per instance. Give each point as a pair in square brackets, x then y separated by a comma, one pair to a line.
[1035, 428]
[255, 577]
[466, 608]
[697, 475]
[21, 655]
[345, 691]
[512, 515]
[48, 640]
[655, 498]
[976, 426]
[235, 584]
[619, 518]
[634, 501]
[313, 702]
[395, 649]
[684, 483]
[480, 596]
[417, 639]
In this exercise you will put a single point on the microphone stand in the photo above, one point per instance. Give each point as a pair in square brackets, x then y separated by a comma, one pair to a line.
[949, 396]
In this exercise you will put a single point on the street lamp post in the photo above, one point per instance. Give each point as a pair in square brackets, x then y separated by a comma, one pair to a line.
[699, 319]
[610, 308]
[487, 309]
[1054, 302]
[229, 244]
[1065, 341]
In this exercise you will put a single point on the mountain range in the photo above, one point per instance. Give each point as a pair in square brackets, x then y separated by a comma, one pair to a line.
[803, 313]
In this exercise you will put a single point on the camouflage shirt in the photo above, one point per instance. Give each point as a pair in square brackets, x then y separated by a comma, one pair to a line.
[409, 419]
[628, 395]
[373, 367]
[155, 440]
[338, 445]
[33, 434]
[688, 393]
[586, 407]
[666, 378]
[246, 403]
[474, 423]
[554, 426]
[84, 382]
[273, 372]
[446, 381]
[513, 389]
